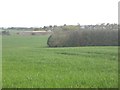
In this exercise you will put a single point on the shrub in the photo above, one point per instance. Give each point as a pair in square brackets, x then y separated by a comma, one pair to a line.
[66, 38]
[5, 32]
[32, 33]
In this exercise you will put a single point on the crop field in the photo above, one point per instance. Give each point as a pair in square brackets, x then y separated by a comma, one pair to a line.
[28, 62]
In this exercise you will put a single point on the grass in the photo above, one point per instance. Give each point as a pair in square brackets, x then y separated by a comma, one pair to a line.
[0, 61]
[29, 63]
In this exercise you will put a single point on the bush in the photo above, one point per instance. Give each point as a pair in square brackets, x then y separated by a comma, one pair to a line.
[57, 39]
[66, 38]
[5, 32]
[32, 33]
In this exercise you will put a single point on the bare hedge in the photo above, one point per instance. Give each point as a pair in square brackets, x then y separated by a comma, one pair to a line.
[68, 38]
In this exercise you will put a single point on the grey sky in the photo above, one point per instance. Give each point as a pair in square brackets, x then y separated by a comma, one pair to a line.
[30, 13]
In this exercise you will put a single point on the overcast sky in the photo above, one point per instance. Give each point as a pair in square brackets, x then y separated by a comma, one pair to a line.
[37, 13]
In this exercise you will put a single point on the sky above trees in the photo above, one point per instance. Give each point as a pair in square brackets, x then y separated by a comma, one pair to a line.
[37, 13]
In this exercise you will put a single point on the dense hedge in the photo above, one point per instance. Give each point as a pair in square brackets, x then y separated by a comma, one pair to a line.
[5, 33]
[64, 38]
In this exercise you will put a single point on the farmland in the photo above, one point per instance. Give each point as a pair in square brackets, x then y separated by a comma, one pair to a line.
[29, 63]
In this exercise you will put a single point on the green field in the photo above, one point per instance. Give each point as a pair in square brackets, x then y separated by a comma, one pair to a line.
[28, 62]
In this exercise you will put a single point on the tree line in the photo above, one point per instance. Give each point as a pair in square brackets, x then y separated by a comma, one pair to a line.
[88, 35]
